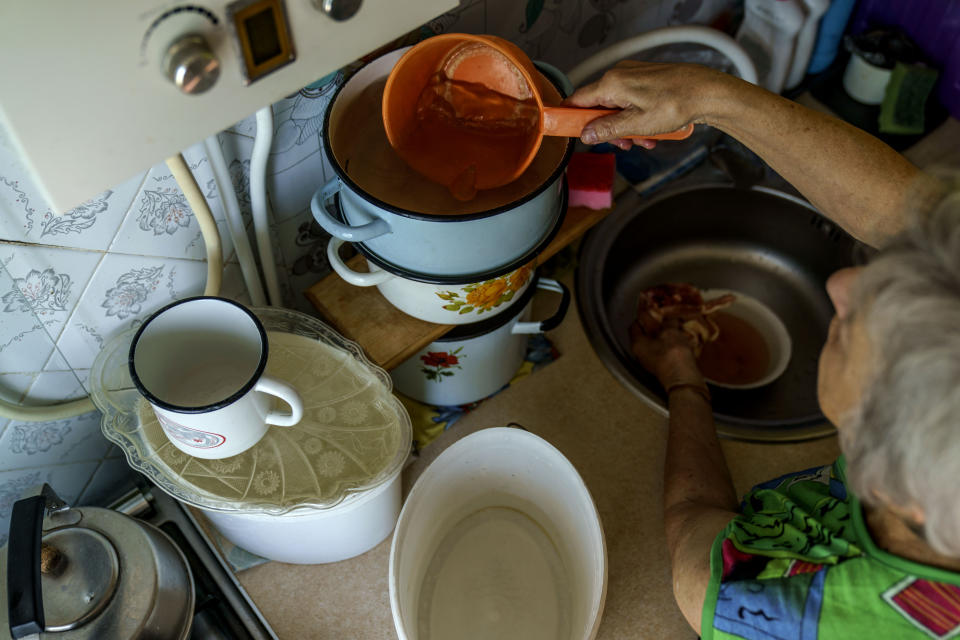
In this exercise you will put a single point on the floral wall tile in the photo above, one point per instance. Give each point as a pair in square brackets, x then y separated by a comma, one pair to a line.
[46, 280]
[161, 222]
[13, 388]
[26, 217]
[38, 444]
[50, 387]
[68, 481]
[246, 127]
[278, 259]
[233, 285]
[56, 362]
[124, 291]
[296, 167]
[236, 154]
[303, 244]
[109, 481]
[469, 17]
[25, 344]
[546, 30]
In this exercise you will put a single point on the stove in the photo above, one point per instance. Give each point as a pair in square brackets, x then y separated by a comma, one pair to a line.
[223, 610]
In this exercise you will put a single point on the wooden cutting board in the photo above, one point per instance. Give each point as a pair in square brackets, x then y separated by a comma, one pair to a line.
[389, 336]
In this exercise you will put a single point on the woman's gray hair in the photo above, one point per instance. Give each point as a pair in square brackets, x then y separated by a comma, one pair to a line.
[903, 441]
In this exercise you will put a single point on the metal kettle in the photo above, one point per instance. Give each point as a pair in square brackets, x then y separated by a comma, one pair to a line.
[78, 573]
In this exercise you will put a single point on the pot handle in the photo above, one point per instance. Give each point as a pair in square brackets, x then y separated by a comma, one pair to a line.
[355, 278]
[556, 76]
[24, 597]
[553, 321]
[320, 205]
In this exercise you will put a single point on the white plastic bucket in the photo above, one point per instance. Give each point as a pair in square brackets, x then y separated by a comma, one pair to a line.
[499, 538]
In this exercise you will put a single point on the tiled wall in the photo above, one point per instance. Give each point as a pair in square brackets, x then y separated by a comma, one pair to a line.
[69, 282]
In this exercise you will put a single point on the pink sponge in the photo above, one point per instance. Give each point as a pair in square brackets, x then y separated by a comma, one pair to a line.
[590, 179]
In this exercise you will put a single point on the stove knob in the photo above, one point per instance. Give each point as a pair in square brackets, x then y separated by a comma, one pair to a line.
[339, 10]
[190, 64]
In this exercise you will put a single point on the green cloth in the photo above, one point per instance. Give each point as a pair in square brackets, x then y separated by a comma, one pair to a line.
[799, 564]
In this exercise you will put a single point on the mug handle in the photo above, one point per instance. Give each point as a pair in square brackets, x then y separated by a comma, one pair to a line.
[553, 321]
[285, 392]
[355, 278]
[320, 206]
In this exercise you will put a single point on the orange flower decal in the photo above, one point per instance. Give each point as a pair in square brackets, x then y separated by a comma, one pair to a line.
[487, 295]
[519, 277]
[484, 296]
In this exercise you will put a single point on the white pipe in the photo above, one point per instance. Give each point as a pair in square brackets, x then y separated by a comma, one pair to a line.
[606, 58]
[258, 201]
[208, 226]
[49, 412]
[211, 238]
[248, 265]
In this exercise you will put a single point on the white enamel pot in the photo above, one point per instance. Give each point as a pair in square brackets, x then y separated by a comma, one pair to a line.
[476, 360]
[317, 536]
[499, 538]
[442, 303]
[437, 239]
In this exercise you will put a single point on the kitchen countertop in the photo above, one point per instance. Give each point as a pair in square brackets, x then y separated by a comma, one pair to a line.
[617, 444]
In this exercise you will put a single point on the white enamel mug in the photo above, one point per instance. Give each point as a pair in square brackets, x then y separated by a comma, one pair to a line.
[199, 363]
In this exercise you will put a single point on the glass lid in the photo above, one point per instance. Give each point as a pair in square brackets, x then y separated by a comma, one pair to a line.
[354, 435]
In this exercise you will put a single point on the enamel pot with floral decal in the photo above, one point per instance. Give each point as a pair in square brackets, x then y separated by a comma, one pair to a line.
[403, 221]
[475, 360]
[454, 302]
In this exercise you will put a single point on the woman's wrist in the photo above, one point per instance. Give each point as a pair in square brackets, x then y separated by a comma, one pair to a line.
[725, 99]
[680, 368]
[697, 389]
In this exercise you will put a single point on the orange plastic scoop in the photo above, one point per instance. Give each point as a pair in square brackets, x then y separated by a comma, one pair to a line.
[465, 111]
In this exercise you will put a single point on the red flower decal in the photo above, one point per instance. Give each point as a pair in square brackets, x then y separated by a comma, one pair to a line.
[440, 359]
[439, 364]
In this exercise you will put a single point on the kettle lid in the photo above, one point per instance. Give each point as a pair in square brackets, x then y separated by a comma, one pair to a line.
[79, 570]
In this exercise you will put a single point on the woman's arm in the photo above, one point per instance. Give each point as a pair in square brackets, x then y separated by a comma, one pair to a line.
[698, 494]
[850, 176]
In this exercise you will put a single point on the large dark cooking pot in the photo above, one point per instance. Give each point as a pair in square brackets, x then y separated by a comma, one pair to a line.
[411, 225]
[769, 245]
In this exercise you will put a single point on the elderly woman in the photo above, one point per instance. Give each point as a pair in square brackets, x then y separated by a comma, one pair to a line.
[868, 547]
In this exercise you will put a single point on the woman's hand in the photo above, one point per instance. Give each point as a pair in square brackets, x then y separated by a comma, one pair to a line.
[668, 352]
[654, 98]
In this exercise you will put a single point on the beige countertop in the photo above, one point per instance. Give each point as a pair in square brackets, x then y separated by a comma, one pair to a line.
[616, 443]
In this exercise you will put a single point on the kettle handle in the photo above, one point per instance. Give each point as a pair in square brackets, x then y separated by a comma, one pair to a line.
[24, 597]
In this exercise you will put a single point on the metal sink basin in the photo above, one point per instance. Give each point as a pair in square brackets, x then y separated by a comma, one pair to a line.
[762, 242]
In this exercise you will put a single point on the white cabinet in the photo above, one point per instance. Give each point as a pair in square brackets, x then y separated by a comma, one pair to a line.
[84, 95]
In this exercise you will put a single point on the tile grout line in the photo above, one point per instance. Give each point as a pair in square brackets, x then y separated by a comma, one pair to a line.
[53, 403]
[57, 465]
[74, 311]
[126, 214]
[90, 479]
